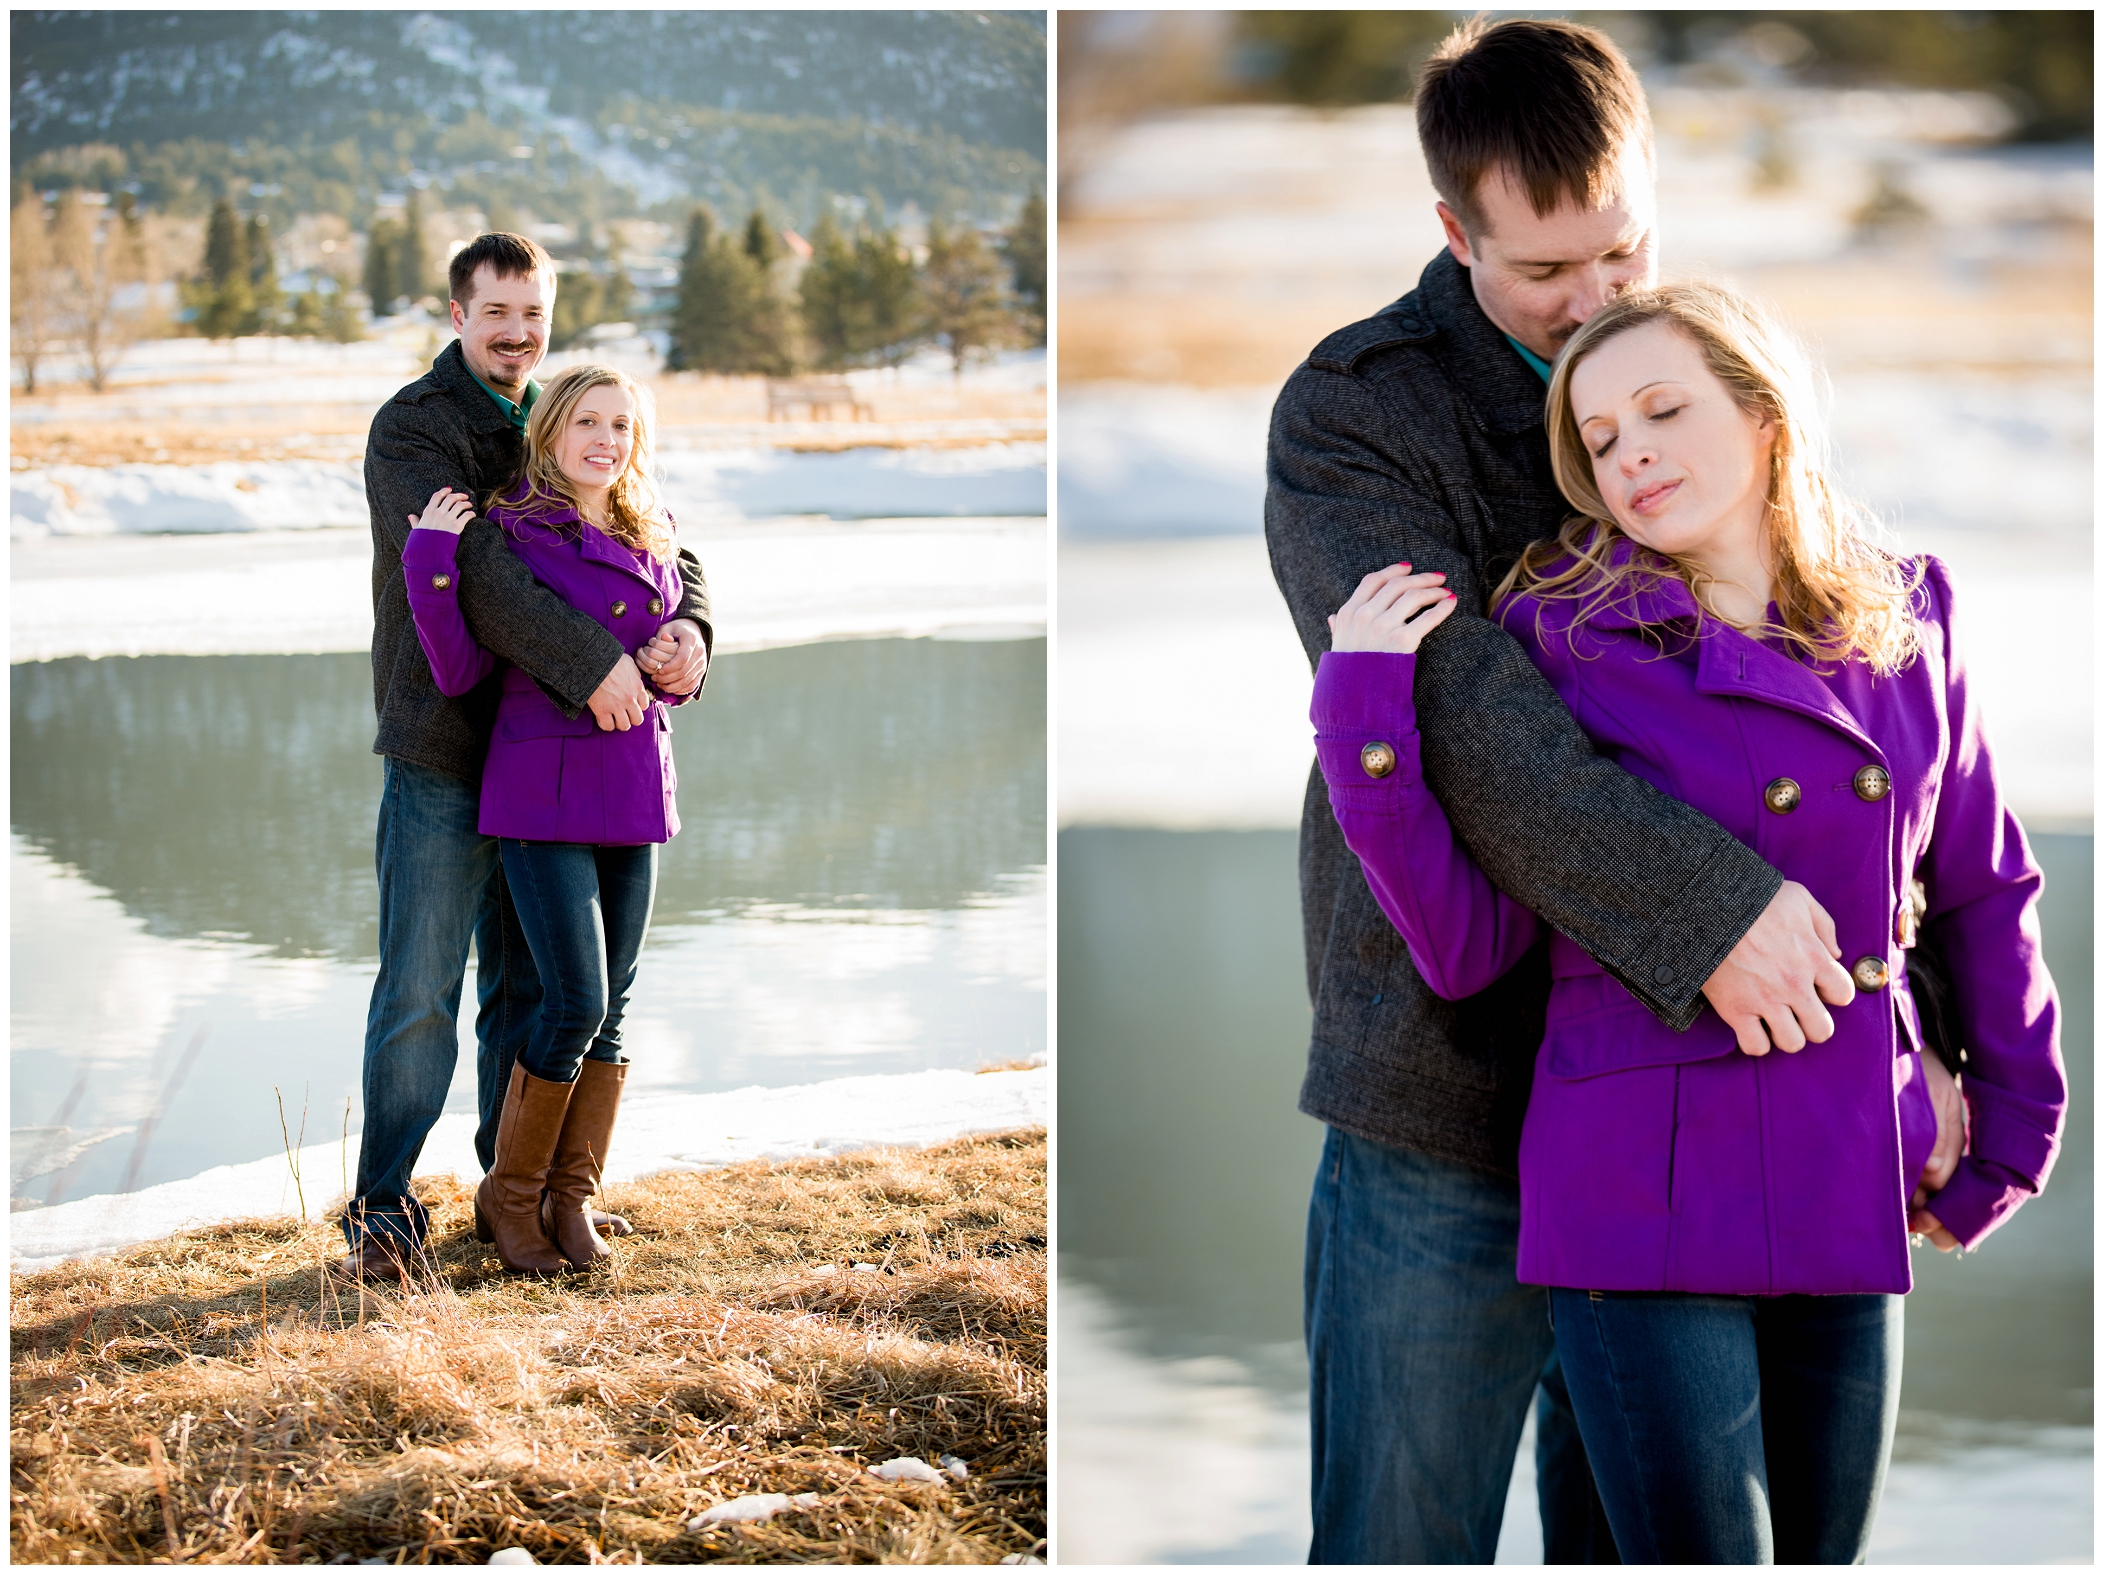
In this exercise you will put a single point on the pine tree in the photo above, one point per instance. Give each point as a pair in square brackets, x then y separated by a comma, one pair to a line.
[264, 295]
[898, 321]
[968, 306]
[225, 300]
[689, 315]
[727, 317]
[380, 269]
[226, 251]
[762, 245]
[861, 300]
[831, 299]
[1024, 247]
[412, 269]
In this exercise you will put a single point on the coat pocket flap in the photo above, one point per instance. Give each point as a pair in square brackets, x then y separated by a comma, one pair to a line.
[545, 722]
[1620, 1036]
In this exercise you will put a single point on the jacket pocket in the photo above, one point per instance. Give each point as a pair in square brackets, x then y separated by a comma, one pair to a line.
[1591, 1032]
[544, 721]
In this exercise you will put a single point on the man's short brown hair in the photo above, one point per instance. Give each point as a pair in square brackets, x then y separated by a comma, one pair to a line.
[1552, 103]
[509, 257]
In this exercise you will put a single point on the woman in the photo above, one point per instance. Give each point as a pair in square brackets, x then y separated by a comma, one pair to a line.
[1724, 1231]
[578, 812]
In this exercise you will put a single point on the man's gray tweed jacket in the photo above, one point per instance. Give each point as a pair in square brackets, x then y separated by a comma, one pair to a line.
[444, 431]
[1417, 436]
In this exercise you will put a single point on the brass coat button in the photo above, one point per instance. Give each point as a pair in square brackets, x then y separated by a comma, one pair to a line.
[657, 605]
[1782, 795]
[620, 608]
[440, 581]
[1870, 973]
[1872, 783]
[1378, 759]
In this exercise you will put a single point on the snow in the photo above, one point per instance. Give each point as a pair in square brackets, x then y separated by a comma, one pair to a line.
[700, 485]
[271, 592]
[659, 1133]
[1234, 751]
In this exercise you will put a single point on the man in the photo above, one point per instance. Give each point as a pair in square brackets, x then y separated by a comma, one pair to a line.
[1417, 436]
[462, 425]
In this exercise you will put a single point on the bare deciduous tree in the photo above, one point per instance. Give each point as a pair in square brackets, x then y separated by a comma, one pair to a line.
[105, 299]
[32, 288]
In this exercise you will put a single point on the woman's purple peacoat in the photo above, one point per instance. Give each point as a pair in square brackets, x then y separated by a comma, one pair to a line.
[1661, 1161]
[551, 777]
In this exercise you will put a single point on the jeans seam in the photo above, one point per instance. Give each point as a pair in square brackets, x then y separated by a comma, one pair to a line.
[1594, 1312]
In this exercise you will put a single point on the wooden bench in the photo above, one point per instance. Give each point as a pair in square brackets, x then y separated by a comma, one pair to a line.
[813, 395]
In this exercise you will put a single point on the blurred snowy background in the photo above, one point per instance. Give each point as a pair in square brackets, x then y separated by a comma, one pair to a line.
[1914, 190]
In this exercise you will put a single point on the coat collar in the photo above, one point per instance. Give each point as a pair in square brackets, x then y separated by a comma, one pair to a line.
[450, 372]
[1506, 392]
[598, 547]
[593, 544]
[1728, 660]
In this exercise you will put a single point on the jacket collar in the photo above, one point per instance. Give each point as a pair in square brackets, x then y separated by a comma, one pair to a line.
[1506, 392]
[450, 372]
[593, 544]
[598, 547]
[1728, 660]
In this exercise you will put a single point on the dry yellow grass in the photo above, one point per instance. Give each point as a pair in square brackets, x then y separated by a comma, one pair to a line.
[214, 1398]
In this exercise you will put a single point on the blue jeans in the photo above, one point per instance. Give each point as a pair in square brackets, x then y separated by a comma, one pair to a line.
[583, 910]
[1734, 1429]
[440, 885]
[1423, 1353]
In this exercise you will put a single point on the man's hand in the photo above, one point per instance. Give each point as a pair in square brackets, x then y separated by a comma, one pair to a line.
[1949, 1101]
[677, 658]
[1770, 988]
[620, 701]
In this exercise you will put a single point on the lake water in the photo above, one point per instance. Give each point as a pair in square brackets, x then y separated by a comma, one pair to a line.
[860, 888]
[1183, 1181]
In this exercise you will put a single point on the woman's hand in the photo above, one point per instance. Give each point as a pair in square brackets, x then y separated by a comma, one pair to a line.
[448, 511]
[1392, 610]
[676, 658]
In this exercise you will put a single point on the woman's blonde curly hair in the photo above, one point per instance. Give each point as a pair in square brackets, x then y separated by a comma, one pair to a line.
[635, 514]
[1838, 592]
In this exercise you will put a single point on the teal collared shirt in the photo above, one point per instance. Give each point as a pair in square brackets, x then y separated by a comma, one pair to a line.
[514, 413]
[1540, 366]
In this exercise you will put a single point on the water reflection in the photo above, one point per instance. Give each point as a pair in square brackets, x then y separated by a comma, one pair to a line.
[1185, 1169]
[860, 888]
[233, 796]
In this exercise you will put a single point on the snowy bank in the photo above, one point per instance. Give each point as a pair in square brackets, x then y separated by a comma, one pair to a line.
[700, 485]
[659, 1132]
[1132, 609]
[91, 500]
[286, 592]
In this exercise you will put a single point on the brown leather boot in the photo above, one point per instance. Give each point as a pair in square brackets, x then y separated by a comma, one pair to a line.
[580, 1160]
[607, 1224]
[508, 1203]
